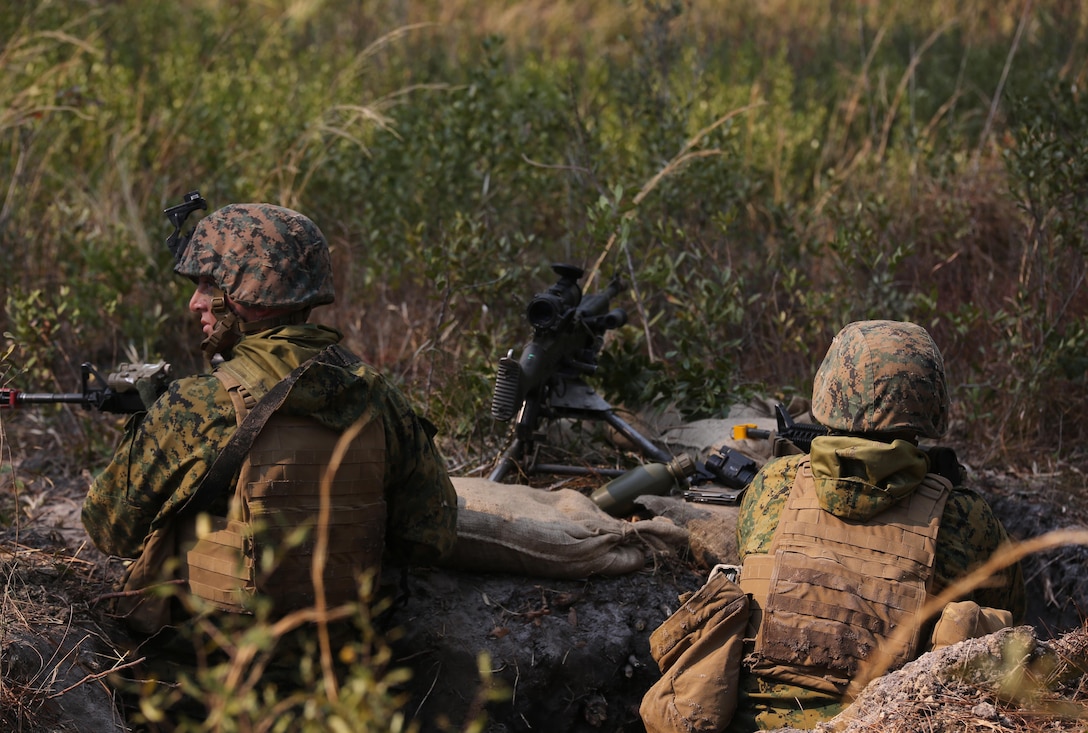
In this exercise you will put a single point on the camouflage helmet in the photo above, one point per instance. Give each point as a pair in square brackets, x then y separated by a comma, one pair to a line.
[882, 377]
[261, 256]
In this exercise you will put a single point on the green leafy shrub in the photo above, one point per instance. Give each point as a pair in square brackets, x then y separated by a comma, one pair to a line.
[787, 170]
[758, 173]
[310, 670]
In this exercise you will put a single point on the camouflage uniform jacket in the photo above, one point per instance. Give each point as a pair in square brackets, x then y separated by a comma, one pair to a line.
[167, 451]
[859, 490]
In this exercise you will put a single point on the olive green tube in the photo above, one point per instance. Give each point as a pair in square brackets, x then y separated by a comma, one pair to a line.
[618, 495]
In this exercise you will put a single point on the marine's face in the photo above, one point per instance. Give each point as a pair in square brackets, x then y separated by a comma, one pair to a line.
[201, 304]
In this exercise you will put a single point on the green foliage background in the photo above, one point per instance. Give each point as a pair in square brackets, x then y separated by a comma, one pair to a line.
[760, 174]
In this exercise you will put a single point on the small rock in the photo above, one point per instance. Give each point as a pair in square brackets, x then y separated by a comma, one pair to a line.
[985, 710]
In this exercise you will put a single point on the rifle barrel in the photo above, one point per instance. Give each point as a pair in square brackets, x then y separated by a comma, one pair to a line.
[14, 398]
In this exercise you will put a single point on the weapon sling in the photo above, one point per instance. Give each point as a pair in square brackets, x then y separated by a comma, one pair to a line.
[230, 459]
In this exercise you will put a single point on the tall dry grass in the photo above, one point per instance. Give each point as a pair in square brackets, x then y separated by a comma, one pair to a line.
[860, 172]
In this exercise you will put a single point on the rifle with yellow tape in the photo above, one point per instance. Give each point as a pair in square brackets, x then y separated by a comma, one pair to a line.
[735, 471]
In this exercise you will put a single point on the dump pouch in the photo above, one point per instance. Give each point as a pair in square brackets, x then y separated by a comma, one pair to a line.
[699, 650]
[145, 601]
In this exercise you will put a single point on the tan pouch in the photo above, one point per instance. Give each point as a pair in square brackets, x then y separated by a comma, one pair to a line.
[699, 650]
[964, 620]
[145, 607]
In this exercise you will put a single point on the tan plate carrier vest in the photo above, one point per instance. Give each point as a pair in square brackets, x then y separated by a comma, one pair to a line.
[266, 543]
[830, 592]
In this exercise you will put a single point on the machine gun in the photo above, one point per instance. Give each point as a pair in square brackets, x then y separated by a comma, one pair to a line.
[117, 392]
[547, 381]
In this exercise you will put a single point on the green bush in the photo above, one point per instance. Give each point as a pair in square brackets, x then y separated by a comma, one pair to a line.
[758, 174]
[307, 671]
[759, 177]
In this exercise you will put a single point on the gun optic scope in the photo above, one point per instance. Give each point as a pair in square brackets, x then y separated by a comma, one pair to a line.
[546, 310]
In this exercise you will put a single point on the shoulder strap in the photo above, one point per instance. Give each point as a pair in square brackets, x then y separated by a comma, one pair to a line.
[234, 452]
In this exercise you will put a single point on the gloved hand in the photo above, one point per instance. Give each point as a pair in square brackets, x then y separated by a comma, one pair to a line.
[962, 620]
[148, 380]
[150, 389]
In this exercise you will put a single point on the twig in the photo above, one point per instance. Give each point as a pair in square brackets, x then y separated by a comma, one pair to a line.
[908, 76]
[97, 676]
[1001, 83]
[321, 551]
[686, 154]
[430, 689]
[555, 167]
[139, 591]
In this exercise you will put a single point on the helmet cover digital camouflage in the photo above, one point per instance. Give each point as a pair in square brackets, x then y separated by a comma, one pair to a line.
[882, 377]
[261, 255]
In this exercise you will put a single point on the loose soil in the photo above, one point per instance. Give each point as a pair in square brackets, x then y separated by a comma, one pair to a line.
[569, 655]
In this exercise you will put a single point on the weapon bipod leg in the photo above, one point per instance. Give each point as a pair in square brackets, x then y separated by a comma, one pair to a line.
[525, 439]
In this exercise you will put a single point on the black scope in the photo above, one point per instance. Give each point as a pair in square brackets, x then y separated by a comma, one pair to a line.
[547, 310]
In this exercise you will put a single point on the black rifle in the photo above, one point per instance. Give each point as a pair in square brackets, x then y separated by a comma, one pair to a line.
[548, 380]
[735, 470]
[118, 392]
[114, 393]
[800, 434]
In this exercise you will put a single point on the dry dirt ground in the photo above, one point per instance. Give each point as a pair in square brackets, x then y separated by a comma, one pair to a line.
[571, 655]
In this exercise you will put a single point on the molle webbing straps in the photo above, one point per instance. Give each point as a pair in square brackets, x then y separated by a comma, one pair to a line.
[226, 464]
[831, 593]
[280, 496]
[218, 563]
[281, 461]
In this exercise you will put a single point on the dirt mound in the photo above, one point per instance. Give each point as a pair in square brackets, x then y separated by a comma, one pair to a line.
[1030, 504]
[570, 655]
[566, 654]
[55, 651]
[1007, 681]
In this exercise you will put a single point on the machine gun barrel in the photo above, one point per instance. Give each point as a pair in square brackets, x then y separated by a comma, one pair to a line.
[13, 398]
[105, 400]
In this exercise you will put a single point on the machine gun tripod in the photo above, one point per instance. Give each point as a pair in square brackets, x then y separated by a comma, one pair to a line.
[547, 382]
[572, 398]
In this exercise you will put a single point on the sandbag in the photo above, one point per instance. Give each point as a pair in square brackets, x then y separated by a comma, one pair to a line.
[702, 438]
[712, 528]
[549, 534]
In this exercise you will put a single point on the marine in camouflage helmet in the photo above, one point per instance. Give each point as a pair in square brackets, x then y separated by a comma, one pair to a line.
[268, 265]
[880, 387]
[882, 377]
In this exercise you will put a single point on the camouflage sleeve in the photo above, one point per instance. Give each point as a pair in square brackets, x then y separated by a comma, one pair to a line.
[420, 498]
[159, 462]
[969, 535]
[762, 505]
